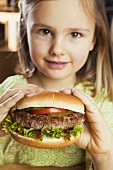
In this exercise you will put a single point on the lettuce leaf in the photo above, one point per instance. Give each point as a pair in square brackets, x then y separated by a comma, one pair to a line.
[17, 127]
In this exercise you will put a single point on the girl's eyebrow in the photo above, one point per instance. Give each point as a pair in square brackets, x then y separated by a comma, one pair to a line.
[83, 29]
[41, 25]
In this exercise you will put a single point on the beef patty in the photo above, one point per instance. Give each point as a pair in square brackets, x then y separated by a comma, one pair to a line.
[39, 121]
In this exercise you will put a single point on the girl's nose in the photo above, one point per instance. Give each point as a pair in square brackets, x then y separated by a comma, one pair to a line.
[57, 48]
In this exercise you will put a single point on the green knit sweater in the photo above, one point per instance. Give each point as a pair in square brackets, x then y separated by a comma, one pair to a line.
[14, 152]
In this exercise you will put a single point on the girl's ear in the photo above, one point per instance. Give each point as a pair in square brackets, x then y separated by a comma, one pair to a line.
[93, 44]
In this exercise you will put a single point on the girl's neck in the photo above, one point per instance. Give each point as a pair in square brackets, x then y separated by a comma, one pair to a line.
[50, 84]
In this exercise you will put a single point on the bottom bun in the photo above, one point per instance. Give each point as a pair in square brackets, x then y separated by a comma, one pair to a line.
[47, 143]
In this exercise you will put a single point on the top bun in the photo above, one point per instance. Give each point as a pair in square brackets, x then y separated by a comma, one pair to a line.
[51, 99]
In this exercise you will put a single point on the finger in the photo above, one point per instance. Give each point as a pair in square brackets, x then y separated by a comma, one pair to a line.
[27, 89]
[10, 102]
[84, 94]
[67, 91]
[85, 98]
[92, 111]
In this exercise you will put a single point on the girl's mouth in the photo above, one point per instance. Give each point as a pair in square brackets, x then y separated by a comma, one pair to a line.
[56, 65]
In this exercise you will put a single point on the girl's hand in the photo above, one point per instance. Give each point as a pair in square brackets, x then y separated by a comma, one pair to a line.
[12, 95]
[97, 137]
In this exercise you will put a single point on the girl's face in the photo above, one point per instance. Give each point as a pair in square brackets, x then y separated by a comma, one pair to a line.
[60, 37]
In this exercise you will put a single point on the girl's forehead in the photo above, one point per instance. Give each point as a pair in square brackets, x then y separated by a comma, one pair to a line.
[58, 13]
[85, 5]
[35, 2]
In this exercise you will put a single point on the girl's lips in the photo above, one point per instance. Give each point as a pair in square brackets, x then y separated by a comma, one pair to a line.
[56, 65]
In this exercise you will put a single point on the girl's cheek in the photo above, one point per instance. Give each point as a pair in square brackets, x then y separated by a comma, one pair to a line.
[36, 50]
[39, 48]
[79, 58]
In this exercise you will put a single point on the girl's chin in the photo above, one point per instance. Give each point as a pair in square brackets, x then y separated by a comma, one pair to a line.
[56, 76]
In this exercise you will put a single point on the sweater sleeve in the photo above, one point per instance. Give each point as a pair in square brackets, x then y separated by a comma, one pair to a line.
[5, 140]
[10, 81]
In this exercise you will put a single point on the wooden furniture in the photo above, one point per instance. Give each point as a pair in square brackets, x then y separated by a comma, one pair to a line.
[10, 19]
[8, 62]
[3, 2]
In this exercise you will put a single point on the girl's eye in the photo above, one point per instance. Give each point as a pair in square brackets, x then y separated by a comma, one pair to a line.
[75, 35]
[44, 32]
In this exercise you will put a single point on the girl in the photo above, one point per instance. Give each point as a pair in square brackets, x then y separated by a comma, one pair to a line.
[64, 45]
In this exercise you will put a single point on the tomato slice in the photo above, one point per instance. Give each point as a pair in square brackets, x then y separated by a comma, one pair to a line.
[48, 110]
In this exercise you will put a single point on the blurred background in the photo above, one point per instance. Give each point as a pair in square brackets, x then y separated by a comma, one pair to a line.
[9, 17]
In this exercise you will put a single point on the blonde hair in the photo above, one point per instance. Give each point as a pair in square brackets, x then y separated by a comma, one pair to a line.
[98, 70]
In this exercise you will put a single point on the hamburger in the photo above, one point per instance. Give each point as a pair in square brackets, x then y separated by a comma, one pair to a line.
[46, 120]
